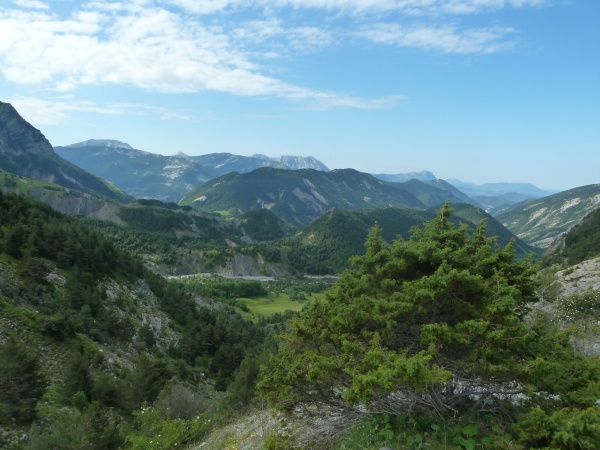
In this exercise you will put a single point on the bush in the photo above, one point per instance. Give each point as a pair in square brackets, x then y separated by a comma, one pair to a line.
[152, 431]
[85, 427]
[567, 428]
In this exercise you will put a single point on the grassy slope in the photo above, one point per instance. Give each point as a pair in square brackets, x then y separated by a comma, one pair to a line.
[266, 306]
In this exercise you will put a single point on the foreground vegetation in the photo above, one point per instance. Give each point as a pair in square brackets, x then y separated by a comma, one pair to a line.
[431, 342]
[439, 330]
[98, 352]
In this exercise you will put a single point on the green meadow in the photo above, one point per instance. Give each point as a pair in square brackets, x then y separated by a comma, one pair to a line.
[267, 305]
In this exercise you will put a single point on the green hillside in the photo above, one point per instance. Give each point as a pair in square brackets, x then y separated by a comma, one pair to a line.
[324, 246]
[263, 225]
[169, 238]
[297, 196]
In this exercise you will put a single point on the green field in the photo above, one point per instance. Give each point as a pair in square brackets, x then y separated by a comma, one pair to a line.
[268, 305]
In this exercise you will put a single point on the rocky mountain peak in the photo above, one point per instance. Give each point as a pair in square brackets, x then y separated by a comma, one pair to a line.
[293, 162]
[18, 137]
[303, 162]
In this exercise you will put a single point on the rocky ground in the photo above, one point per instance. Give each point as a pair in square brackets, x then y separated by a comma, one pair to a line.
[580, 277]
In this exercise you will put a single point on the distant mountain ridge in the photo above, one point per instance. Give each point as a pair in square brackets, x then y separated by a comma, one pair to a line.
[434, 193]
[423, 175]
[300, 196]
[139, 173]
[500, 188]
[297, 196]
[497, 197]
[144, 174]
[224, 163]
[108, 143]
[539, 221]
[169, 178]
[25, 151]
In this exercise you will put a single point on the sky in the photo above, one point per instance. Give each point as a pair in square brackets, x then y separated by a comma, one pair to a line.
[477, 90]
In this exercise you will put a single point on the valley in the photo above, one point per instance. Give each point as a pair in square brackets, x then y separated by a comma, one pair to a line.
[226, 301]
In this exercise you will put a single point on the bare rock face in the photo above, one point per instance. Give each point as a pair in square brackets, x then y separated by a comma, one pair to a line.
[244, 265]
[580, 278]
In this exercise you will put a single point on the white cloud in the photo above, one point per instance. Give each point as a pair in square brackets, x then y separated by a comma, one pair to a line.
[203, 6]
[333, 100]
[48, 112]
[153, 45]
[402, 6]
[31, 4]
[447, 39]
[273, 34]
[359, 6]
[51, 112]
[153, 49]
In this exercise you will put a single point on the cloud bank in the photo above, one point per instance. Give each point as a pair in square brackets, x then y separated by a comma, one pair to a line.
[228, 46]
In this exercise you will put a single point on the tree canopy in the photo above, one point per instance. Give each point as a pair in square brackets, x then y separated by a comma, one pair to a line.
[433, 323]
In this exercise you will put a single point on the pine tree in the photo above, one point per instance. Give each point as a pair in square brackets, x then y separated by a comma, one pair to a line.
[435, 323]
[21, 383]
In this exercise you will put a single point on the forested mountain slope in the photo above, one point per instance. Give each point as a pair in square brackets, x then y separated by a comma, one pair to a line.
[299, 196]
[581, 242]
[326, 244]
[173, 239]
[88, 335]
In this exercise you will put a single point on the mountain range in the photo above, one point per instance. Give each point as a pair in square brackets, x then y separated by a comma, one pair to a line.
[168, 178]
[295, 189]
[99, 350]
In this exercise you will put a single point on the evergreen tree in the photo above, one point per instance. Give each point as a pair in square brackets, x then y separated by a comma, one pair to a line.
[21, 383]
[435, 323]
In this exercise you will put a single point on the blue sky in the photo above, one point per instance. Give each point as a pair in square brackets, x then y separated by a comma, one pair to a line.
[479, 90]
